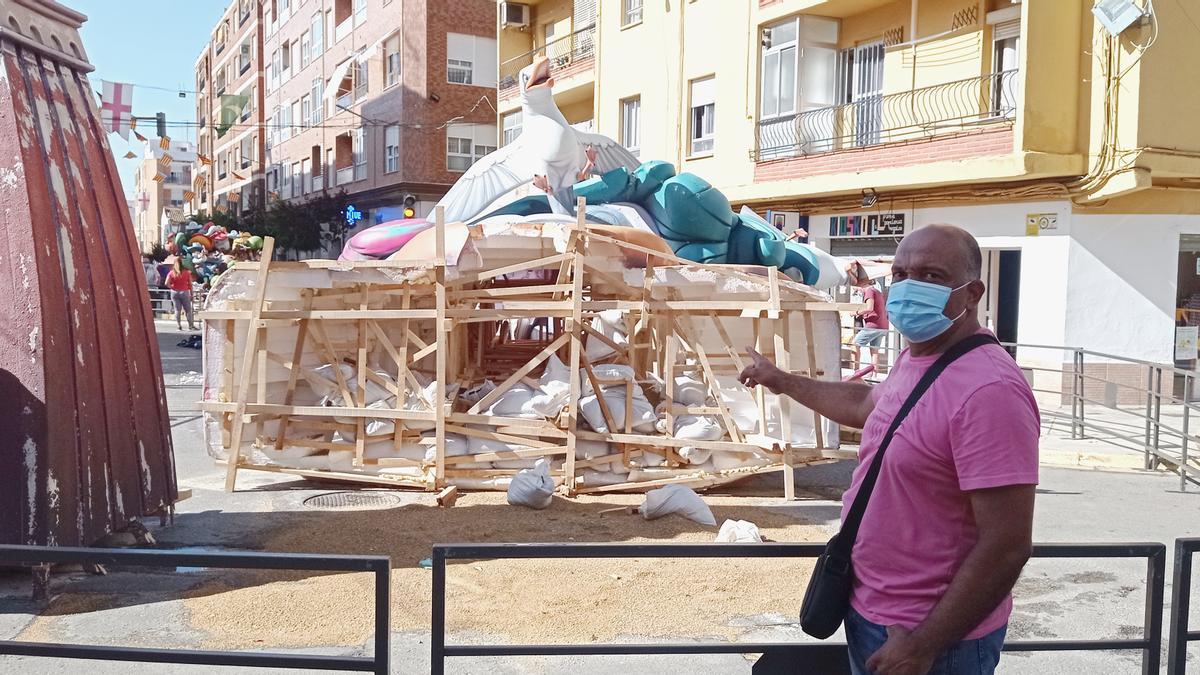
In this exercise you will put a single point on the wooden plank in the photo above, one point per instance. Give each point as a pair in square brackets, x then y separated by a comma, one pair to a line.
[730, 348]
[439, 403]
[322, 411]
[348, 314]
[260, 294]
[370, 479]
[521, 372]
[505, 455]
[810, 350]
[730, 426]
[539, 263]
[496, 436]
[605, 411]
[360, 366]
[293, 372]
[507, 291]
[447, 496]
[323, 264]
[783, 361]
[260, 377]
[400, 357]
[576, 352]
[334, 362]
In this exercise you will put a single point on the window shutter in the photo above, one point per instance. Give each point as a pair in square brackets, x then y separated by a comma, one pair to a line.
[1008, 29]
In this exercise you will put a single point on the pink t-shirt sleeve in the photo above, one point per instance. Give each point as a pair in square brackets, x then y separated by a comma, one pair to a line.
[994, 438]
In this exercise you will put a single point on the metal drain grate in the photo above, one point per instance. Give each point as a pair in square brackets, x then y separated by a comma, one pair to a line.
[352, 501]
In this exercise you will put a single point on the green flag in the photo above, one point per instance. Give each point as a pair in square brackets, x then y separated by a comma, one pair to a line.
[231, 110]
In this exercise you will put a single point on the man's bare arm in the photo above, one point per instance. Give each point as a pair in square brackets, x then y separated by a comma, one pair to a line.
[847, 403]
[1004, 517]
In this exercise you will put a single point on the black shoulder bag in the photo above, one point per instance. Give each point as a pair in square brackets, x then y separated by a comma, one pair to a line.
[828, 596]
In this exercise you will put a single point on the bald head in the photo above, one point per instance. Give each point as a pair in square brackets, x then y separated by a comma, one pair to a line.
[950, 249]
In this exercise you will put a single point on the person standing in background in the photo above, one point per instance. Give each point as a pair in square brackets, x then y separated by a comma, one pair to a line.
[874, 318]
[179, 280]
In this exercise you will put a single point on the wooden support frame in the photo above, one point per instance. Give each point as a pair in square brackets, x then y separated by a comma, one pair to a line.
[440, 324]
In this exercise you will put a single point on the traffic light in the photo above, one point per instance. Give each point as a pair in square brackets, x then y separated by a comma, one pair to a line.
[160, 123]
[410, 206]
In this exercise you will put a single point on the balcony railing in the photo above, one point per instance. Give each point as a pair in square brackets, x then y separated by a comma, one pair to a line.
[345, 175]
[343, 29]
[916, 114]
[576, 49]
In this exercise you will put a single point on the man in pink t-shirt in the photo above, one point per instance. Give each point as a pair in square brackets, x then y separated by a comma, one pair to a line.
[949, 524]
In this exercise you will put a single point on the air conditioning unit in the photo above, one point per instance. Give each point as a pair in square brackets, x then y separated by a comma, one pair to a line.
[514, 15]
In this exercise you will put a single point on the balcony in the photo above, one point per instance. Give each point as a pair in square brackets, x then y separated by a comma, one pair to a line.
[343, 29]
[949, 107]
[345, 175]
[569, 55]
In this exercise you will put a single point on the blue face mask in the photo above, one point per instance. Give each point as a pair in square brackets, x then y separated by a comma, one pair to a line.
[917, 309]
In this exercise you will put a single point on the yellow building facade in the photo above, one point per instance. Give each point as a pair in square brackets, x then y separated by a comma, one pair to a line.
[1072, 154]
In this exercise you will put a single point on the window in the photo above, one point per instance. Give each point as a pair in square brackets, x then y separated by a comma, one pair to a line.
[285, 122]
[360, 12]
[631, 124]
[317, 91]
[1006, 42]
[269, 77]
[246, 148]
[859, 80]
[632, 12]
[360, 80]
[285, 58]
[245, 56]
[391, 149]
[467, 143]
[779, 69]
[297, 179]
[471, 59]
[305, 111]
[512, 127]
[295, 119]
[277, 61]
[318, 35]
[286, 188]
[305, 50]
[295, 57]
[222, 165]
[360, 157]
[702, 124]
[305, 176]
[249, 107]
[392, 61]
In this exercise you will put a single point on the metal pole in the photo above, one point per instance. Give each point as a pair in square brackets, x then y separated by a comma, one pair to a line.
[1149, 415]
[1181, 591]
[437, 628]
[1183, 454]
[1158, 389]
[383, 624]
[1074, 395]
[1156, 578]
[1082, 393]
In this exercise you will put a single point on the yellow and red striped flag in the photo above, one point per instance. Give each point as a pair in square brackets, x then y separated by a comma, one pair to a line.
[139, 137]
[164, 142]
[158, 178]
[165, 160]
[130, 155]
[203, 160]
[188, 195]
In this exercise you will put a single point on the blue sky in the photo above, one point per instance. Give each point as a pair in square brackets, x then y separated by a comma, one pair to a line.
[148, 42]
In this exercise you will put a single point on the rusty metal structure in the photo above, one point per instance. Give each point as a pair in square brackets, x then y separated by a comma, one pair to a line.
[85, 440]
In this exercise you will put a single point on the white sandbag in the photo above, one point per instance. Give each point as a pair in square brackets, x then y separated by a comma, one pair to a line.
[726, 459]
[456, 446]
[689, 391]
[320, 462]
[532, 487]
[647, 459]
[697, 428]
[474, 394]
[677, 499]
[643, 419]
[611, 324]
[343, 460]
[695, 456]
[590, 478]
[738, 532]
[512, 402]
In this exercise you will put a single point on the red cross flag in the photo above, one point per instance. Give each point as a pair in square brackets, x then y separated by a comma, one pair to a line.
[116, 107]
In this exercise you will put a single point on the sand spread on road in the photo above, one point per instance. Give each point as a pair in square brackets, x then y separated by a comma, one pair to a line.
[544, 601]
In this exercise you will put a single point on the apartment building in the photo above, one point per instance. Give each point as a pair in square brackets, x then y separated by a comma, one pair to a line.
[384, 99]
[1063, 148]
[156, 203]
[231, 65]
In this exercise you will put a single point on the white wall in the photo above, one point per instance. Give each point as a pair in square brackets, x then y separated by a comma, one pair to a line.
[1123, 283]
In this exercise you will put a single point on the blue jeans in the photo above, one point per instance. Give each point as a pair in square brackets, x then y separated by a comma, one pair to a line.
[969, 657]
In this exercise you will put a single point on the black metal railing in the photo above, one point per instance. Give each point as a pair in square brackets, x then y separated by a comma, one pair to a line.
[914, 114]
[1181, 603]
[562, 52]
[380, 565]
[816, 657]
